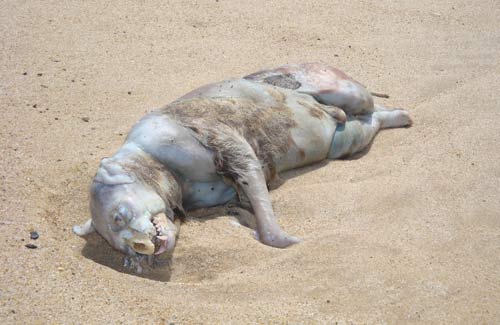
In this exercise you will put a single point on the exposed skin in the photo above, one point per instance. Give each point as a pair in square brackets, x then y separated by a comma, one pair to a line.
[326, 84]
[225, 141]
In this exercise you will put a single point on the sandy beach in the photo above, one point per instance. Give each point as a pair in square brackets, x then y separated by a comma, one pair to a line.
[409, 232]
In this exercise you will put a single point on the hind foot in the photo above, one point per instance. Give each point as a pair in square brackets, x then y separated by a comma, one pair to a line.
[393, 118]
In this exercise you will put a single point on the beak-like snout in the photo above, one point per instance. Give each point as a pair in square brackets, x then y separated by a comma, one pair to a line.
[141, 243]
[142, 229]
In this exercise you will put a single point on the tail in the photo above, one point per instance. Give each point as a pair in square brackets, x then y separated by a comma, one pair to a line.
[379, 95]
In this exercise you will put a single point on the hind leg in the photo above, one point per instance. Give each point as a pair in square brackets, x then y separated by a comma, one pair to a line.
[326, 84]
[357, 133]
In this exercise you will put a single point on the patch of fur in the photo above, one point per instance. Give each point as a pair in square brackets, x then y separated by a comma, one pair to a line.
[152, 173]
[315, 110]
[242, 134]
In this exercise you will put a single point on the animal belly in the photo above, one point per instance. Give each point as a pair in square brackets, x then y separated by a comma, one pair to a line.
[207, 194]
[311, 138]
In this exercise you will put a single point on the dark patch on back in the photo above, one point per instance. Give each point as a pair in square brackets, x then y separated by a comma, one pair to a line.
[283, 80]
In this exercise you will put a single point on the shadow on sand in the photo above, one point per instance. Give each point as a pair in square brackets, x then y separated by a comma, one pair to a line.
[99, 251]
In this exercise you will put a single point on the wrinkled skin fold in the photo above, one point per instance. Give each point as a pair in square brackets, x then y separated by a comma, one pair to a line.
[226, 142]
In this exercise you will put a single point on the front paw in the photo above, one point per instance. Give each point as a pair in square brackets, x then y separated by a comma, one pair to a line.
[278, 239]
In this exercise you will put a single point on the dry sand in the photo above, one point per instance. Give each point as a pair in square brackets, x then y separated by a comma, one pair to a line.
[409, 232]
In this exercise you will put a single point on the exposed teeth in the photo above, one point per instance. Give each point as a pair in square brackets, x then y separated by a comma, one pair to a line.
[165, 233]
[160, 222]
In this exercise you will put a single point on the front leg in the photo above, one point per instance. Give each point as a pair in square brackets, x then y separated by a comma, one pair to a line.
[237, 160]
[269, 231]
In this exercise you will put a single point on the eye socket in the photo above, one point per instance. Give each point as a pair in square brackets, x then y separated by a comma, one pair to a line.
[120, 218]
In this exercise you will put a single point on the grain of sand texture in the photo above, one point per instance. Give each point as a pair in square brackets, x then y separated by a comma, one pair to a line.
[407, 233]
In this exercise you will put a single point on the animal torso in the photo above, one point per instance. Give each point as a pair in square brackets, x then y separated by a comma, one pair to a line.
[285, 129]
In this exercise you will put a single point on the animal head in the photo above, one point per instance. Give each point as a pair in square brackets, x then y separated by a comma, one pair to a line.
[128, 211]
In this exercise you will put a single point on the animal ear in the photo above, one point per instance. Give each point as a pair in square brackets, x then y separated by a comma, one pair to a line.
[84, 229]
[111, 173]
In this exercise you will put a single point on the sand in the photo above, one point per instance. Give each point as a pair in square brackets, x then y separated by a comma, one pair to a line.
[407, 233]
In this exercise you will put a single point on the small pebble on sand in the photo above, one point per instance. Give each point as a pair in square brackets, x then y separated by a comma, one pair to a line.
[34, 235]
